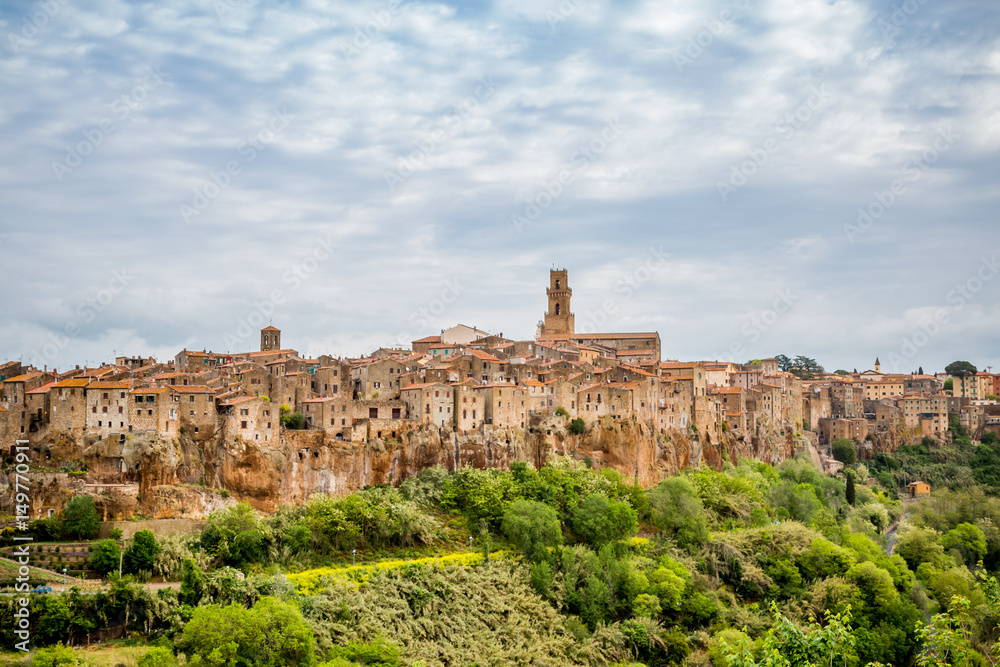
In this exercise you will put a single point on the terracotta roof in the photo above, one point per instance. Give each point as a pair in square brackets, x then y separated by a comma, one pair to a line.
[499, 384]
[269, 328]
[191, 389]
[149, 390]
[73, 382]
[423, 385]
[25, 377]
[109, 384]
[44, 389]
[429, 339]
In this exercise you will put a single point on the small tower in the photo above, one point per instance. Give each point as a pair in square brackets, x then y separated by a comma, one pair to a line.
[878, 366]
[270, 339]
[558, 318]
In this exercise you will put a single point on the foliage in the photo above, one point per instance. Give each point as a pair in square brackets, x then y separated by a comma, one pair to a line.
[104, 556]
[598, 521]
[141, 554]
[294, 420]
[79, 519]
[157, 656]
[192, 583]
[235, 535]
[676, 509]
[577, 426]
[533, 528]
[270, 634]
[845, 451]
[57, 656]
[960, 369]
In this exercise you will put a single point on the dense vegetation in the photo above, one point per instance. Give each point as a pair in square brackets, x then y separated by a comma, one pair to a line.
[751, 565]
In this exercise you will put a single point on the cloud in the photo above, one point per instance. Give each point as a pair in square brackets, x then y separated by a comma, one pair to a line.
[380, 87]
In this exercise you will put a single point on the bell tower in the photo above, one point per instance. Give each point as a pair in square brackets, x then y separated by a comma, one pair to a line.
[558, 318]
[270, 339]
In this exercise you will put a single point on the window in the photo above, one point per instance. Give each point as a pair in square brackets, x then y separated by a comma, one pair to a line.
[191, 399]
[121, 395]
[100, 423]
[396, 413]
[94, 409]
[138, 412]
[473, 414]
[373, 413]
[243, 424]
[120, 409]
[105, 396]
[244, 411]
[191, 413]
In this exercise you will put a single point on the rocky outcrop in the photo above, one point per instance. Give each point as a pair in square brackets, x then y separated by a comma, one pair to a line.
[182, 478]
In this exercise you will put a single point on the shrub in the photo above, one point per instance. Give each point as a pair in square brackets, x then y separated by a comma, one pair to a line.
[577, 426]
[845, 451]
[79, 519]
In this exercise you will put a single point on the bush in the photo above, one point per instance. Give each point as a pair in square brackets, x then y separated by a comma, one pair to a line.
[598, 520]
[562, 412]
[141, 554]
[104, 557]
[80, 520]
[577, 426]
[57, 656]
[294, 421]
[271, 634]
[532, 527]
[845, 451]
[157, 657]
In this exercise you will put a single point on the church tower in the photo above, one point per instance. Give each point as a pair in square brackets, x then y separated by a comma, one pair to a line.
[558, 318]
[878, 365]
[270, 339]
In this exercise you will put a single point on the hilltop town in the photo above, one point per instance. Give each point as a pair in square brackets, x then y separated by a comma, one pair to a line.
[163, 437]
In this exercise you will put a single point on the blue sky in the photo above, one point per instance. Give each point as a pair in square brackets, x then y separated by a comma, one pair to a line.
[749, 178]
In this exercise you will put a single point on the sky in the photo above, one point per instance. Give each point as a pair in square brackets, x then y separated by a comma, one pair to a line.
[748, 178]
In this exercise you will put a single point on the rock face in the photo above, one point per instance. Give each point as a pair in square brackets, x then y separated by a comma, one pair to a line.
[182, 478]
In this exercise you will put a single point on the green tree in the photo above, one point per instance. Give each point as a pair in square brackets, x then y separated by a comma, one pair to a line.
[235, 536]
[598, 521]
[104, 557]
[271, 634]
[946, 641]
[968, 540]
[157, 656]
[919, 545]
[57, 656]
[577, 426]
[960, 369]
[949, 385]
[850, 493]
[192, 583]
[786, 645]
[79, 519]
[532, 527]
[141, 554]
[295, 420]
[845, 451]
[676, 509]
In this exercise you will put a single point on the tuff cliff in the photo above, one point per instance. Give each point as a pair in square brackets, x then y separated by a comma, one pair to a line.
[174, 478]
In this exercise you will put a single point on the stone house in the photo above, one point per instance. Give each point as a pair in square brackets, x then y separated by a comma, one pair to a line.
[504, 404]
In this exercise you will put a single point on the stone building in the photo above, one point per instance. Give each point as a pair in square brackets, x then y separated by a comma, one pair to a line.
[270, 339]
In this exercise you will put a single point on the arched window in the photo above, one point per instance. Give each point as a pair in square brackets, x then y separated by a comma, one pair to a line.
[557, 284]
[557, 309]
